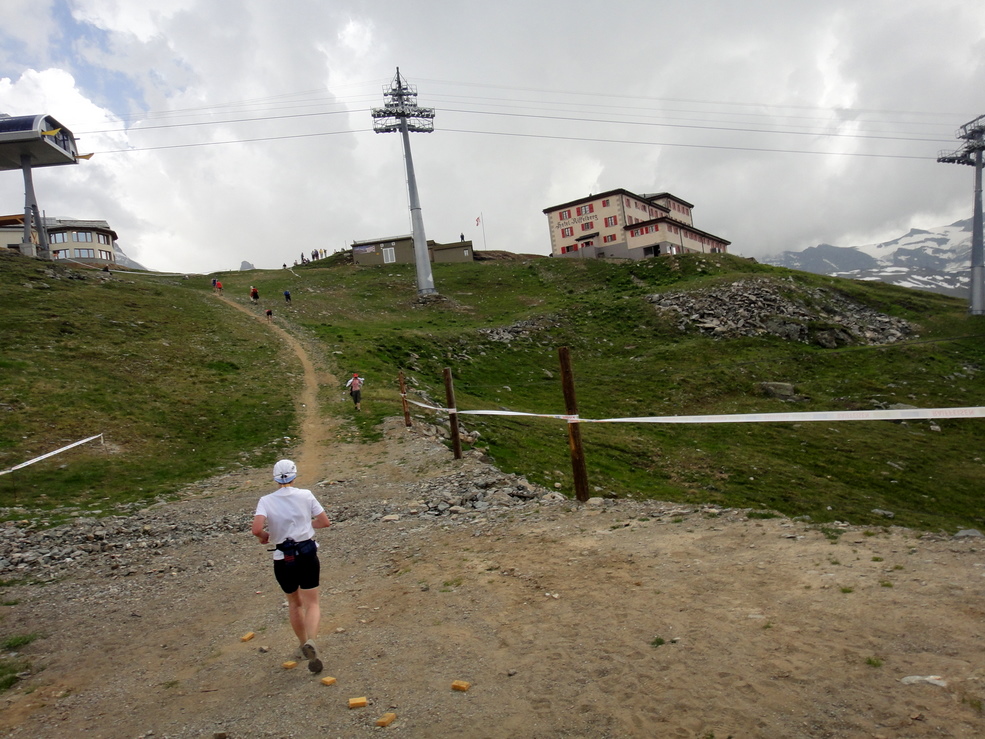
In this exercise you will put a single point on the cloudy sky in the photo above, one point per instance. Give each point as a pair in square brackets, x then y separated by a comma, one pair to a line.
[231, 130]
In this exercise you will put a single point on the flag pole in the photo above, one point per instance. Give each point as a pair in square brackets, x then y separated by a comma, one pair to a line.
[482, 220]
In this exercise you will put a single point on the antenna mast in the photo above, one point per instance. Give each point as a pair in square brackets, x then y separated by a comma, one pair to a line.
[401, 113]
[973, 134]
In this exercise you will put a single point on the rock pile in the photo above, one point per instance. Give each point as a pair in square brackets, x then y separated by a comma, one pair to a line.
[464, 492]
[756, 307]
[518, 330]
[107, 543]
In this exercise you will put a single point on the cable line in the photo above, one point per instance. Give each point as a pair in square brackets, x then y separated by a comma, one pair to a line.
[696, 146]
[595, 94]
[234, 141]
[234, 120]
[700, 128]
[531, 135]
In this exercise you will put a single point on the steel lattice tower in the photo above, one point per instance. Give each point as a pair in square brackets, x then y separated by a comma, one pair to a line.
[401, 113]
[973, 134]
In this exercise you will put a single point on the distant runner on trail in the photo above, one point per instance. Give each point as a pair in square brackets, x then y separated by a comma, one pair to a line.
[288, 517]
[254, 294]
[355, 385]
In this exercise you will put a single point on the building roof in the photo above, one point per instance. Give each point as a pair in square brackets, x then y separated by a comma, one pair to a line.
[432, 244]
[367, 242]
[590, 198]
[50, 223]
[661, 195]
[16, 219]
[620, 191]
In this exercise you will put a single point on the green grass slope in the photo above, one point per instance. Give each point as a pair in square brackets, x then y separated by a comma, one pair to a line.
[628, 359]
[178, 384]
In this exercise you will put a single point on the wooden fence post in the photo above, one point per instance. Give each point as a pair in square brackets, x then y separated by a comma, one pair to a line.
[456, 441]
[578, 470]
[403, 400]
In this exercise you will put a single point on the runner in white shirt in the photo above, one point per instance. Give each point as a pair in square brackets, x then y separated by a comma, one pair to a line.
[288, 517]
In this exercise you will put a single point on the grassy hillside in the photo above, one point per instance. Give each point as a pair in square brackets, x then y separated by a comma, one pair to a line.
[178, 384]
[628, 359]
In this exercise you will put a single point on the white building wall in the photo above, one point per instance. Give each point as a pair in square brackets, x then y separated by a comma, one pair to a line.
[612, 218]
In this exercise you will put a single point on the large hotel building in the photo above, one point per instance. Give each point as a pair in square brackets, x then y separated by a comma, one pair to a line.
[622, 224]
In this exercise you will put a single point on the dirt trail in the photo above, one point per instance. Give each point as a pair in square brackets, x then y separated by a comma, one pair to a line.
[622, 620]
[314, 427]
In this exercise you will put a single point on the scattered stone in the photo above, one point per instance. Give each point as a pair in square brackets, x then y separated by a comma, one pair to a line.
[884, 514]
[969, 534]
[519, 330]
[780, 390]
[929, 679]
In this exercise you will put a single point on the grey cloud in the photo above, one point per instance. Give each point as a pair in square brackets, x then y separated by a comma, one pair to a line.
[902, 67]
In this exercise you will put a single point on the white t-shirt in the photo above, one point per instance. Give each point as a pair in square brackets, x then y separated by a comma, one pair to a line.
[289, 512]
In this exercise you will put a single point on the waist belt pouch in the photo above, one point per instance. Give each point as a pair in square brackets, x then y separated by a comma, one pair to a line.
[292, 548]
[307, 547]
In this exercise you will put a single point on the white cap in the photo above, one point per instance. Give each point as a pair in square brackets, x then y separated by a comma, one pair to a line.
[285, 471]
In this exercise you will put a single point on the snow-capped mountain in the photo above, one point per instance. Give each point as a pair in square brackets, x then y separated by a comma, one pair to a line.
[125, 261]
[938, 260]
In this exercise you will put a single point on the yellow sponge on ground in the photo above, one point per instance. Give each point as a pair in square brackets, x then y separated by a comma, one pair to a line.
[386, 719]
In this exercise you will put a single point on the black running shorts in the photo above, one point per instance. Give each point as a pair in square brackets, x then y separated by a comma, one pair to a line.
[302, 573]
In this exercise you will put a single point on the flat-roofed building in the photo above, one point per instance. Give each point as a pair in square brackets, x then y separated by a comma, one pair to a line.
[400, 250]
[91, 243]
[622, 224]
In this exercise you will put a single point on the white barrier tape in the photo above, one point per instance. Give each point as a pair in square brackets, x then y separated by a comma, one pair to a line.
[429, 407]
[495, 413]
[895, 415]
[562, 417]
[890, 415]
[49, 454]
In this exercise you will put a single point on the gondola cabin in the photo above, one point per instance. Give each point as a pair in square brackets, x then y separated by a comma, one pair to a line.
[46, 141]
